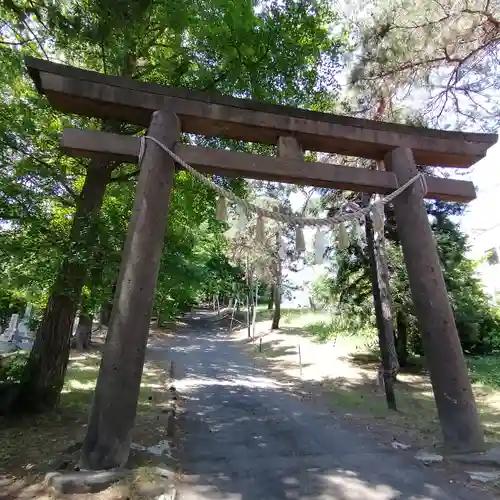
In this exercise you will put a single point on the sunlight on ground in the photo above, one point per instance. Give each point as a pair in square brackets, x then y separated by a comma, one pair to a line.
[28, 444]
[343, 370]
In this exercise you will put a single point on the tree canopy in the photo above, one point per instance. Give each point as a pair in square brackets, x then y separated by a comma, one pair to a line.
[438, 57]
[63, 220]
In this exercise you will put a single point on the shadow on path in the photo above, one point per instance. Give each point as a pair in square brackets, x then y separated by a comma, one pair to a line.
[246, 437]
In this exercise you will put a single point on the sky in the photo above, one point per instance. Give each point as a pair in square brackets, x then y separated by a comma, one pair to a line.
[481, 221]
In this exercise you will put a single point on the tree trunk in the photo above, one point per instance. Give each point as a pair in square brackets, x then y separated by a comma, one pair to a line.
[249, 301]
[312, 305]
[455, 403]
[254, 314]
[270, 302]
[402, 339]
[105, 313]
[277, 308]
[44, 373]
[277, 287]
[288, 147]
[83, 335]
[114, 406]
[383, 315]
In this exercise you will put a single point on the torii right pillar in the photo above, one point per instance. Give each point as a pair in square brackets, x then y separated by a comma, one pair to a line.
[455, 403]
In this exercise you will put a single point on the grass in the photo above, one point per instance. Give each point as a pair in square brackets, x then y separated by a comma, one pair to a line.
[31, 445]
[358, 395]
[485, 370]
[264, 314]
[417, 416]
[319, 325]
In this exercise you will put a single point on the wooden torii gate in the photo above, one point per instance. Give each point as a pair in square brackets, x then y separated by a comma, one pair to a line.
[168, 112]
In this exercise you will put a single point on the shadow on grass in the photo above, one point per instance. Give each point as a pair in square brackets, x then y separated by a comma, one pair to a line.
[371, 359]
[35, 444]
[362, 399]
[247, 433]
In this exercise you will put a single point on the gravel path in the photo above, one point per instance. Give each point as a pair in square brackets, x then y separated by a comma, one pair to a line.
[246, 437]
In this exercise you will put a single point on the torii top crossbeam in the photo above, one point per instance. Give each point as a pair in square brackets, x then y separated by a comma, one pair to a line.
[92, 94]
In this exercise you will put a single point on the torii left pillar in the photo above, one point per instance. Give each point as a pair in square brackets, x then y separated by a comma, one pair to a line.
[114, 406]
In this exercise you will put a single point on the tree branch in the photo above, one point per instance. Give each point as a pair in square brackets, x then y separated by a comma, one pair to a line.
[125, 177]
[58, 178]
[2, 42]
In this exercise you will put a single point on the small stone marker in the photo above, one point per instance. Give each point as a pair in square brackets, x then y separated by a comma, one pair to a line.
[428, 458]
[84, 481]
[400, 446]
[484, 476]
[8, 335]
[170, 495]
[23, 326]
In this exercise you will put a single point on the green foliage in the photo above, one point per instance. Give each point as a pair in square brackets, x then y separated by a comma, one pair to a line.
[322, 292]
[485, 370]
[478, 321]
[280, 52]
[12, 367]
[347, 286]
[339, 326]
[11, 302]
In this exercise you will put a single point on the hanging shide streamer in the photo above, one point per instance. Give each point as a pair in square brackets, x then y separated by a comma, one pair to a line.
[259, 270]
[319, 246]
[242, 219]
[282, 249]
[356, 231]
[300, 242]
[343, 237]
[377, 215]
[230, 233]
[221, 209]
[260, 233]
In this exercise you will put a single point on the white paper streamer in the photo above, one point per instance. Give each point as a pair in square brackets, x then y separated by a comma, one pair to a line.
[343, 237]
[377, 216]
[282, 250]
[319, 246]
[221, 209]
[300, 242]
[242, 219]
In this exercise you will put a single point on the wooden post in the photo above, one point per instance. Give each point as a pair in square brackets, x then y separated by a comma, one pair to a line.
[450, 381]
[254, 315]
[383, 309]
[249, 299]
[288, 147]
[114, 406]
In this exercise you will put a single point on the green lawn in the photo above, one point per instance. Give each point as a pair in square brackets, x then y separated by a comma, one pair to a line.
[413, 392]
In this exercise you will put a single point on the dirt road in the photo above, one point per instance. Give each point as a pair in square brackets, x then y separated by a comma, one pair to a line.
[246, 437]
